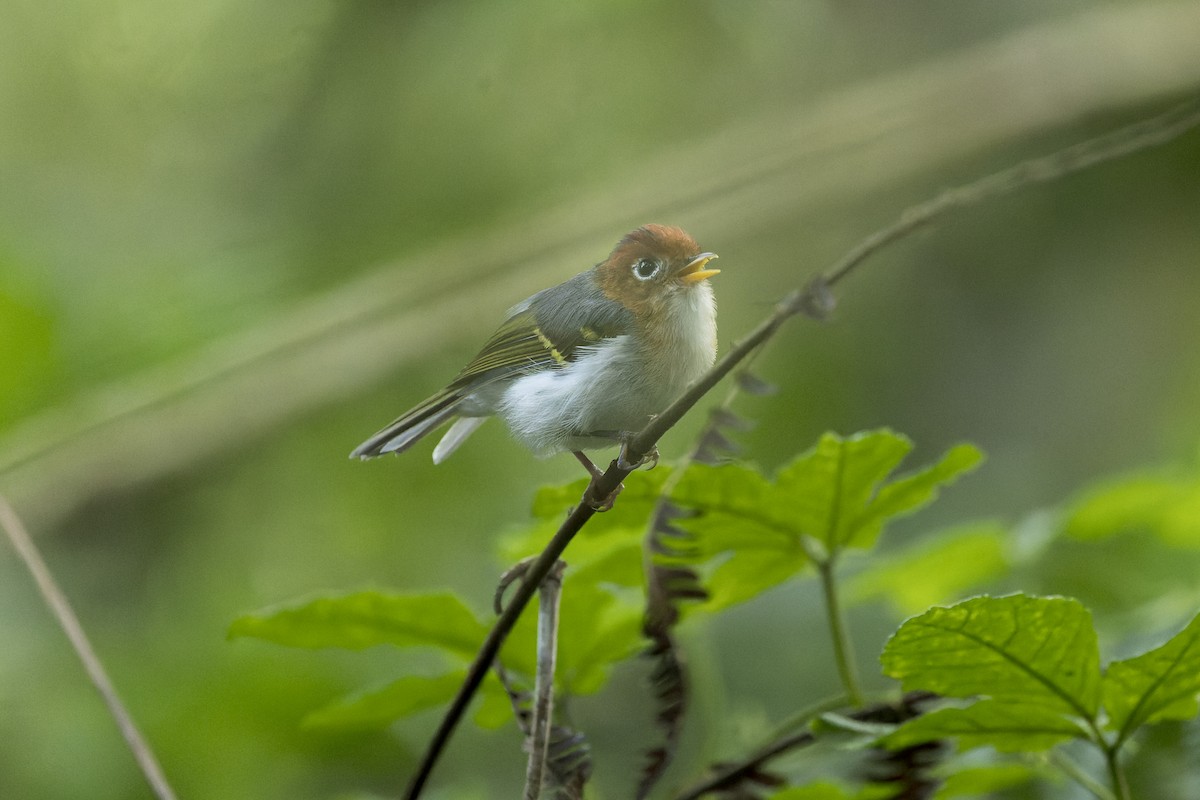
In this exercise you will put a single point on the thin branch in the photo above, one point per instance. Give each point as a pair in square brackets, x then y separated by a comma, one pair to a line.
[58, 604]
[543, 691]
[815, 300]
[1131, 139]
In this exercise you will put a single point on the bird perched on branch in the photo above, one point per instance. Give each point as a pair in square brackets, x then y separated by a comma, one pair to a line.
[586, 363]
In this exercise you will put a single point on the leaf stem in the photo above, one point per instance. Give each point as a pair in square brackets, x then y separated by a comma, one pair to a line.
[1072, 770]
[1116, 773]
[843, 650]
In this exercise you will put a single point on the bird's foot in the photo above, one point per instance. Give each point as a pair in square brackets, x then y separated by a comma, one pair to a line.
[599, 504]
[650, 458]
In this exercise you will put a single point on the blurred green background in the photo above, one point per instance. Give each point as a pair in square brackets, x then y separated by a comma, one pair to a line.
[235, 239]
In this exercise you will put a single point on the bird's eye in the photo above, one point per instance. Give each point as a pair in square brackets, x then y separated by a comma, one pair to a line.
[644, 269]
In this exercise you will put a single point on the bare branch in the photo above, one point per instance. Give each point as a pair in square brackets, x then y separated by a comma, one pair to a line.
[58, 604]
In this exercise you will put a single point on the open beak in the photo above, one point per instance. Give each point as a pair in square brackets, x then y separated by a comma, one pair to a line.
[694, 271]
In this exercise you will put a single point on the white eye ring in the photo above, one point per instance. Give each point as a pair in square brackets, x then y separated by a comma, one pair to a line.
[644, 269]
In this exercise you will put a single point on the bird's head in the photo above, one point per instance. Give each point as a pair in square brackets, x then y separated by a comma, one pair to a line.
[652, 265]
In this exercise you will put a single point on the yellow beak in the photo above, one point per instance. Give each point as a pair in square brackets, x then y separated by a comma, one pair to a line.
[694, 271]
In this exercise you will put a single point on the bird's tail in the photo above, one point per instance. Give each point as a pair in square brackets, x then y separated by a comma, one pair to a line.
[407, 430]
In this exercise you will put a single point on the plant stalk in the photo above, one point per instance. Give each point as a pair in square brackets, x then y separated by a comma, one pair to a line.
[843, 651]
[1119, 783]
[543, 692]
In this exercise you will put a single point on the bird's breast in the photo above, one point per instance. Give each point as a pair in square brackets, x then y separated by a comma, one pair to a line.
[680, 340]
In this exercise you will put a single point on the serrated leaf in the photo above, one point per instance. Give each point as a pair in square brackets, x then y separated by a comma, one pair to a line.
[372, 710]
[1009, 727]
[1025, 650]
[1158, 685]
[368, 618]
[833, 496]
[832, 484]
[911, 492]
[935, 571]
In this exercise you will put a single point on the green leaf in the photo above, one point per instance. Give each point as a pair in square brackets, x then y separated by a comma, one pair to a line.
[750, 572]
[937, 570]
[1158, 685]
[985, 781]
[1025, 650]
[379, 708]
[368, 618]
[831, 485]
[912, 492]
[1009, 727]
[1167, 506]
[835, 495]
[495, 708]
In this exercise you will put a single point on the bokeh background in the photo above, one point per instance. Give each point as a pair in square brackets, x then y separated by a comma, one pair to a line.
[236, 238]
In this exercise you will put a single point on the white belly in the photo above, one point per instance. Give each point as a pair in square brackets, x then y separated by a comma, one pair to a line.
[614, 387]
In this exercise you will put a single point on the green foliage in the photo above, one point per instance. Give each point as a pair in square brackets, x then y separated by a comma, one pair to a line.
[379, 708]
[1035, 665]
[366, 619]
[984, 781]
[1020, 673]
[1017, 649]
[935, 570]
[834, 496]
[1155, 686]
[1165, 505]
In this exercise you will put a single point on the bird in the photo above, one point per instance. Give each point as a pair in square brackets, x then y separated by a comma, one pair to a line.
[583, 364]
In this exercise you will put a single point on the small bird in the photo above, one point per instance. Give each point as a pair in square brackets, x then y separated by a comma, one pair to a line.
[586, 363]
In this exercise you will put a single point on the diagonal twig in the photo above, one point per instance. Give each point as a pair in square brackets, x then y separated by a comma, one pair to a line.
[58, 604]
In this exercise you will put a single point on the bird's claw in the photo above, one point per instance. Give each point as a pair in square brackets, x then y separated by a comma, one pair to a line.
[650, 458]
[601, 505]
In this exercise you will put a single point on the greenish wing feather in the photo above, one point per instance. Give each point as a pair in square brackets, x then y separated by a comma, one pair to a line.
[528, 341]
